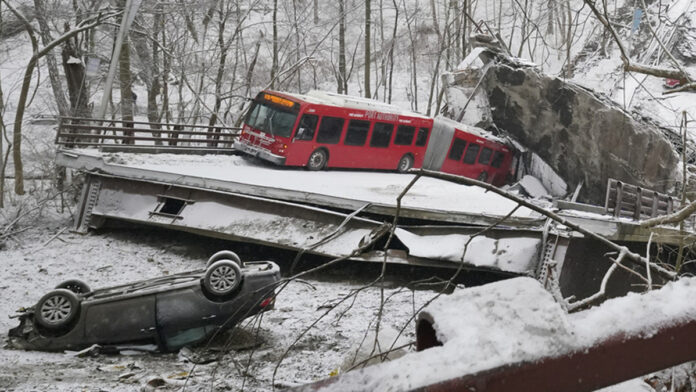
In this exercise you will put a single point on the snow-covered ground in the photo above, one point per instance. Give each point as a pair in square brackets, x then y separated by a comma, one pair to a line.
[34, 260]
[45, 254]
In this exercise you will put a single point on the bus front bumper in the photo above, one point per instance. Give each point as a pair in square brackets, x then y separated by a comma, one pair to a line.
[259, 153]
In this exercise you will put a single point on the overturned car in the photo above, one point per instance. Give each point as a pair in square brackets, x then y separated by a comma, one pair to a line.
[170, 311]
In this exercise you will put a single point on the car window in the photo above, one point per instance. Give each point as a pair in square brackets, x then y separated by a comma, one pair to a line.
[307, 127]
[330, 130]
[404, 135]
[471, 153]
[485, 156]
[356, 135]
[381, 135]
[458, 146]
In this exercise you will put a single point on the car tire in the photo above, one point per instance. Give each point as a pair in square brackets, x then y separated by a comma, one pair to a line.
[317, 161]
[483, 176]
[224, 255]
[222, 278]
[75, 285]
[405, 163]
[57, 309]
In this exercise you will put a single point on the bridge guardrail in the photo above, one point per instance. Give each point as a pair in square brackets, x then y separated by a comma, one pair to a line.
[143, 136]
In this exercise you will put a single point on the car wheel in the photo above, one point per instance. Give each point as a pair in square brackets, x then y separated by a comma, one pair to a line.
[224, 255]
[483, 176]
[75, 285]
[56, 309]
[405, 164]
[317, 160]
[222, 278]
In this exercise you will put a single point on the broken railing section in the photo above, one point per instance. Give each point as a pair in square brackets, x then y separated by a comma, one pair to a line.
[630, 201]
[145, 136]
[511, 335]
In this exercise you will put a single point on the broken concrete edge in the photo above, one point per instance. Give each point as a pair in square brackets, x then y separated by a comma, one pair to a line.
[511, 334]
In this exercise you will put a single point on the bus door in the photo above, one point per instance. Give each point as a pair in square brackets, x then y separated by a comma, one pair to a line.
[302, 143]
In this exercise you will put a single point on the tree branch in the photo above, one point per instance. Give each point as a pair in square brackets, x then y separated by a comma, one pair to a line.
[661, 72]
[674, 217]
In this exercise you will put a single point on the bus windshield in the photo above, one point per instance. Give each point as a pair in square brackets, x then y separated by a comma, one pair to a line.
[271, 120]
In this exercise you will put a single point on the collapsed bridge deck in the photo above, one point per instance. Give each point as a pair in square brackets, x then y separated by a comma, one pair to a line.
[332, 213]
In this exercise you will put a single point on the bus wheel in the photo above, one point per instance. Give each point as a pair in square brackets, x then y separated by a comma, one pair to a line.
[483, 176]
[405, 164]
[317, 160]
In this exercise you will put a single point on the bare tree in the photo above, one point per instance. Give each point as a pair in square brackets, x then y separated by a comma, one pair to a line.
[664, 72]
[38, 52]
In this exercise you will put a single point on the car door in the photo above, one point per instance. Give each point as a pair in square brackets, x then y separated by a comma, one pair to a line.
[121, 319]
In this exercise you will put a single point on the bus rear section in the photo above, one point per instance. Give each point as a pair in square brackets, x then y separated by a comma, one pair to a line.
[466, 151]
[269, 127]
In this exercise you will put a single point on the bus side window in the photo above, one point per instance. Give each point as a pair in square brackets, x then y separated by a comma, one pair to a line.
[404, 135]
[308, 125]
[485, 157]
[471, 153]
[497, 159]
[356, 135]
[330, 130]
[381, 135]
[422, 137]
[458, 146]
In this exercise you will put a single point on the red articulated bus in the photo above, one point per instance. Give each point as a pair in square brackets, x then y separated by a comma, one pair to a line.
[322, 130]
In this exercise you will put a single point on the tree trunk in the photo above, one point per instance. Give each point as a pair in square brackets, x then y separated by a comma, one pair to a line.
[153, 88]
[127, 96]
[368, 27]
[274, 66]
[342, 79]
[297, 45]
[3, 161]
[166, 70]
[75, 76]
[316, 11]
[549, 24]
[219, 76]
[391, 50]
[53, 74]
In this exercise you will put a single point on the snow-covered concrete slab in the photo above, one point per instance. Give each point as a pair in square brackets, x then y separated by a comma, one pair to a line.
[517, 321]
[342, 189]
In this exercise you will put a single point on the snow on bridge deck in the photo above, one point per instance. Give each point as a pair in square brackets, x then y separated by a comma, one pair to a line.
[429, 199]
